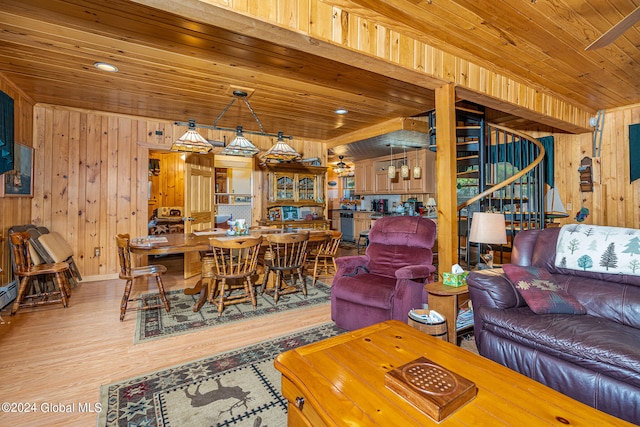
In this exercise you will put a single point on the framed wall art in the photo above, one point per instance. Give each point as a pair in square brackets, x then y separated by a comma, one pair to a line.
[19, 181]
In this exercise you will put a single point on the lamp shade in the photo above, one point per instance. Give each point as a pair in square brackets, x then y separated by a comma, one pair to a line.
[240, 146]
[417, 172]
[192, 141]
[488, 227]
[404, 171]
[431, 202]
[281, 151]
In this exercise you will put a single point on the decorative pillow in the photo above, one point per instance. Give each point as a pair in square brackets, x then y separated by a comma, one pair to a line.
[542, 294]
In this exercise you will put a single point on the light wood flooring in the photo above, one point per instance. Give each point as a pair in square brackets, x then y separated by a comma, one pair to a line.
[57, 357]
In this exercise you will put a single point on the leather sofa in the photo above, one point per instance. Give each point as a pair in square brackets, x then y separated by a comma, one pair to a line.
[388, 281]
[592, 357]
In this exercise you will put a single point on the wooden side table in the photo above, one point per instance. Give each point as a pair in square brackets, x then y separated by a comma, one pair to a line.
[445, 300]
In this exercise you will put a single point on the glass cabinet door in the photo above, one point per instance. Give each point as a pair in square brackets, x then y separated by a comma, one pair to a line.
[306, 187]
[284, 186]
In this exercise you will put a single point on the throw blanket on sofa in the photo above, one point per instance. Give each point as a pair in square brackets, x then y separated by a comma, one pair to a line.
[599, 249]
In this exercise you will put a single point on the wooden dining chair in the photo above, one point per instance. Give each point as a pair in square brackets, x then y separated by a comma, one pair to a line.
[325, 253]
[232, 260]
[130, 274]
[27, 271]
[286, 253]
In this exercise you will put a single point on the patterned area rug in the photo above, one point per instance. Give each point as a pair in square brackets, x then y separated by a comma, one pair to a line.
[239, 388]
[157, 323]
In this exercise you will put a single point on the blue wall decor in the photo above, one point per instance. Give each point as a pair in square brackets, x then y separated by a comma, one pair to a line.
[6, 133]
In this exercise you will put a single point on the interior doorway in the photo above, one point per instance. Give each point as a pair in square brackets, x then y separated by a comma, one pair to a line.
[166, 201]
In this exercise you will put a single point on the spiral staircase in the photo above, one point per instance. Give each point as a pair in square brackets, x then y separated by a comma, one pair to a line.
[497, 170]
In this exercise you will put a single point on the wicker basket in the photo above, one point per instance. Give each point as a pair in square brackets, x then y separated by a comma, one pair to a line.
[437, 330]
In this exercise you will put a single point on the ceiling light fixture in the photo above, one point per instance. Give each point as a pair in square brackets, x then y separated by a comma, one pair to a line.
[103, 66]
[240, 146]
[193, 142]
[417, 170]
[404, 169]
[391, 172]
[341, 111]
[281, 151]
[342, 169]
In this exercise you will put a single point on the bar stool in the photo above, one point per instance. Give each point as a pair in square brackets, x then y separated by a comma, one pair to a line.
[363, 235]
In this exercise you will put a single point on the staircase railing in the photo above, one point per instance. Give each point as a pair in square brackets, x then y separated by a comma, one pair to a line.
[510, 180]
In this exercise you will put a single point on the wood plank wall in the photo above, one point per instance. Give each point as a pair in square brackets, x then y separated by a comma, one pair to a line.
[615, 201]
[92, 177]
[15, 210]
[388, 42]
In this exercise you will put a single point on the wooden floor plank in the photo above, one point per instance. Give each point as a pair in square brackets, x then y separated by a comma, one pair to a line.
[57, 356]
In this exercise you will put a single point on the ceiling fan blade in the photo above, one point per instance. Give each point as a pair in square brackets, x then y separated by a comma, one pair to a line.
[616, 31]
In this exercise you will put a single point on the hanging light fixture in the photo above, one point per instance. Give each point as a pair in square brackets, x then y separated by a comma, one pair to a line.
[391, 172]
[192, 141]
[342, 169]
[404, 169]
[281, 151]
[240, 146]
[417, 170]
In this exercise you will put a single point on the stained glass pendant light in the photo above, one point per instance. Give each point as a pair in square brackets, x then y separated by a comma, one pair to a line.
[281, 151]
[192, 141]
[240, 146]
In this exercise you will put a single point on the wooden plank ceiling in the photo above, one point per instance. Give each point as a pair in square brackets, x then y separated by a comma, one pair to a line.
[175, 68]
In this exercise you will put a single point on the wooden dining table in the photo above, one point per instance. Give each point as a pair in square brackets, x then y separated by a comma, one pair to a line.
[179, 243]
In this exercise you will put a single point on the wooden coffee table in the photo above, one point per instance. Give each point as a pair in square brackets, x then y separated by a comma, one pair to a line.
[340, 381]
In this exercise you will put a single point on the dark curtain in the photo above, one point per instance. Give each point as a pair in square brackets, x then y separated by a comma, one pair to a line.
[6, 133]
[634, 151]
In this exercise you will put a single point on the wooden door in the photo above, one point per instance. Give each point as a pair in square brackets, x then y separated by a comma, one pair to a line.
[199, 181]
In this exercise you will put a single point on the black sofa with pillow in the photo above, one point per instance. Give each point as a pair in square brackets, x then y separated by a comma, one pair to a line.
[566, 313]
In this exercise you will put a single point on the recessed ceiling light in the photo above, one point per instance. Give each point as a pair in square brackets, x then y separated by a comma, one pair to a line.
[103, 66]
[340, 111]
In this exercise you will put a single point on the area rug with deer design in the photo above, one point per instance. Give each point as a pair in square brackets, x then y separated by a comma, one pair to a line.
[239, 388]
[157, 323]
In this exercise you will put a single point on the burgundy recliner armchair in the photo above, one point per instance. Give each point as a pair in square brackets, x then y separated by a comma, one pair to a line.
[388, 281]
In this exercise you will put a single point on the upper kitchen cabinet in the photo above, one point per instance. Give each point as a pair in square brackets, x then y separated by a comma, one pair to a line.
[426, 159]
[372, 175]
[364, 177]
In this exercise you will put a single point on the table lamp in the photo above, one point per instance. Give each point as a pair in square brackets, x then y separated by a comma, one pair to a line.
[488, 228]
[431, 205]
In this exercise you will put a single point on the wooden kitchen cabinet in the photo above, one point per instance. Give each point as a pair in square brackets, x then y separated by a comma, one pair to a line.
[335, 219]
[382, 182]
[410, 185]
[361, 222]
[364, 177]
[427, 182]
